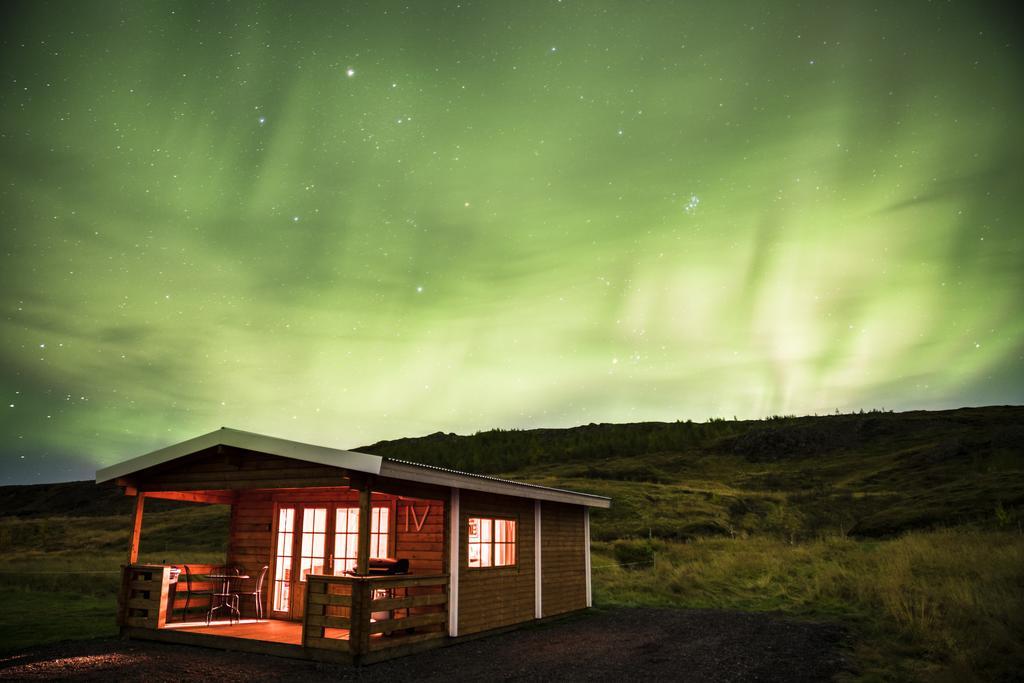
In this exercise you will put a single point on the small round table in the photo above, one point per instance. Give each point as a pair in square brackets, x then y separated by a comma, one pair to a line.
[228, 599]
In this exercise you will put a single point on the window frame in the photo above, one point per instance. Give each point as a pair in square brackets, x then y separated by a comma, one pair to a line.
[302, 532]
[388, 532]
[514, 518]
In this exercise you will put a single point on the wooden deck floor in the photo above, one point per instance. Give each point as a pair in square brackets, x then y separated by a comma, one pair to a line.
[280, 638]
[270, 637]
[268, 630]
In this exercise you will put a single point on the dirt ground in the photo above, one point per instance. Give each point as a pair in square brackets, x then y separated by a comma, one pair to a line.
[607, 645]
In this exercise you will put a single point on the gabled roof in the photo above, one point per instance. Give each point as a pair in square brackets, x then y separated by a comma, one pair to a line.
[362, 462]
[349, 460]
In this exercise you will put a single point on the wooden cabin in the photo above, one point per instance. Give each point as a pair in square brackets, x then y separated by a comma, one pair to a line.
[367, 557]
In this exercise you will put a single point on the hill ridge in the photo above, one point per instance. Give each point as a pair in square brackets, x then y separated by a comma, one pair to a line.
[868, 474]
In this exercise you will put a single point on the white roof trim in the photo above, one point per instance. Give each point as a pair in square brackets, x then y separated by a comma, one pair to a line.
[333, 457]
[430, 474]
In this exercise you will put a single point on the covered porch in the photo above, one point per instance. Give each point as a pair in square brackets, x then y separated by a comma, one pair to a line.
[347, 619]
[307, 564]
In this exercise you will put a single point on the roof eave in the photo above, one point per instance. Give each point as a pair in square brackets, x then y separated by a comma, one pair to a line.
[348, 460]
[464, 480]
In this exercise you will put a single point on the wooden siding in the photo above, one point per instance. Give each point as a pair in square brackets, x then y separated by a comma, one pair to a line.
[424, 548]
[251, 540]
[563, 560]
[496, 596]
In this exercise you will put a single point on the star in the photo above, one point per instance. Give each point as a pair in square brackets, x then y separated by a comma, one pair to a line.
[262, 120]
[419, 289]
[350, 72]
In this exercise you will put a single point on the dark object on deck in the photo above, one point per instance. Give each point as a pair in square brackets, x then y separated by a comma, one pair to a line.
[386, 566]
[256, 591]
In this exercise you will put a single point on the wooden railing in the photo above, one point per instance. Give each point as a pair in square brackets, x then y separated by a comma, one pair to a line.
[146, 598]
[363, 615]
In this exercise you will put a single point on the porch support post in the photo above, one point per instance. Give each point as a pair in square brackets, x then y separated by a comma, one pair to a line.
[538, 605]
[453, 564]
[365, 512]
[586, 549]
[133, 546]
[359, 634]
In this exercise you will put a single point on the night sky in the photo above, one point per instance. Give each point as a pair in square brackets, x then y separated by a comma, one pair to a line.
[358, 221]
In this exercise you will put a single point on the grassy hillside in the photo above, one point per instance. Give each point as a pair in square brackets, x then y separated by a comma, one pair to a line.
[867, 475]
[862, 475]
[77, 498]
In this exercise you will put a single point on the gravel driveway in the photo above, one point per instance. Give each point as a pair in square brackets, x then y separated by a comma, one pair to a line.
[605, 645]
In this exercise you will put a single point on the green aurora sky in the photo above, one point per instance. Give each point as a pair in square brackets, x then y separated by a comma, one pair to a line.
[356, 221]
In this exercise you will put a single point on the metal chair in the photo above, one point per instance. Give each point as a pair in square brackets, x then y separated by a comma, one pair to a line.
[191, 579]
[257, 591]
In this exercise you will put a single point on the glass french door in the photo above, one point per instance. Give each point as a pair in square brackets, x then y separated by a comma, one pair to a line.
[282, 593]
[321, 539]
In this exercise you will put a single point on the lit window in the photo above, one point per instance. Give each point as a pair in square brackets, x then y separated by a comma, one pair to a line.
[492, 542]
[346, 536]
[379, 532]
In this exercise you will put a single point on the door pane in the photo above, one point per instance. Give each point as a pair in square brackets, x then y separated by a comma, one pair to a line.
[346, 535]
[283, 560]
[314, 533]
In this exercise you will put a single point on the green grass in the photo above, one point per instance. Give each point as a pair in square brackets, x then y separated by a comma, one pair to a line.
[940, 605]
[62, 595]
[38, 617]
[60, 575]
